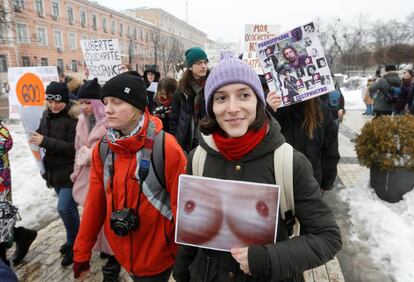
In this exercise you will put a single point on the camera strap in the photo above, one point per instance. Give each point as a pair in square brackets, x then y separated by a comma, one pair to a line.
[143, 163]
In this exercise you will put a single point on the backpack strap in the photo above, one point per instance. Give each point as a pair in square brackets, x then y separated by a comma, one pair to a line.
[199, 158]
[158, 157]
[283, 166]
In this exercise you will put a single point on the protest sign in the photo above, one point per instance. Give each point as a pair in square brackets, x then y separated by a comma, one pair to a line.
[255, 33]
[102, 58]
[223, 214]
[213, 51]
[27, 98]
[295, 65]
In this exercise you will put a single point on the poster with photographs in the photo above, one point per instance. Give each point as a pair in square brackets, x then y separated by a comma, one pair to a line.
[224, 214]
[294, 65]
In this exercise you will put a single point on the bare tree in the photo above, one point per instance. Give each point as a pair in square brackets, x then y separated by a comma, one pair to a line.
[171, 52]
[399, 53]
[6, 19]
[156, 39]
[391, 32]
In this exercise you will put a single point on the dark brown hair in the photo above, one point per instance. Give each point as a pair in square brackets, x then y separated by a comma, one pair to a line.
[168, 84]
[208, 124]
[184, 85]
[313, 116]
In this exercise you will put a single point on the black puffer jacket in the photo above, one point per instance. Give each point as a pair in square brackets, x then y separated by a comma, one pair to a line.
[286, 260]
[322, 150]
[59, 132]
[183, 123]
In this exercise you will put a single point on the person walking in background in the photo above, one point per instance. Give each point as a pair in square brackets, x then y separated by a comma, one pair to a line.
[188, 102]
[151, 75]
[8, 232]
[56, 135]
[125, 196]
[240, 140]
[369, 102]
[410, 96]
[402, 103]
[383, 86]
[167, 86]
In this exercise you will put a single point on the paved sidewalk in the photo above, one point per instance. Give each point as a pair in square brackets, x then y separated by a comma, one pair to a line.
[42, 263]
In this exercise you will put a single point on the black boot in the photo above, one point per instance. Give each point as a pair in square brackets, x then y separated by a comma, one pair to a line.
[110, 271]
[23, 238]
[68, 257]
[63, 248]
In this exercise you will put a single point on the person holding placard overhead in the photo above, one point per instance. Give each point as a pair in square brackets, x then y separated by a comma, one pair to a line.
[240, 139]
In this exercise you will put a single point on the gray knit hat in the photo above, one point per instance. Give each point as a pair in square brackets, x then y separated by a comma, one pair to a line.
[232, 70]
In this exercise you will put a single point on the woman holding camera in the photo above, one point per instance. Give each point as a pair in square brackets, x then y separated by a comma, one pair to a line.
[137, 219]
[166, 88]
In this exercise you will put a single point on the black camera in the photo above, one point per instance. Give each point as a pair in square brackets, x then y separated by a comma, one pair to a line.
[161, 111]
[123, 221]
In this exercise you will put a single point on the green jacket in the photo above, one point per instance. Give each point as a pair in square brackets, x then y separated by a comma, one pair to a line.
[286, 260]
[382, 86]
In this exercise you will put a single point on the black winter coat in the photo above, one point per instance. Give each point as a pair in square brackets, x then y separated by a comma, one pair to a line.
[59, 132]
[322, 150]
[183, 123]
[287, 259]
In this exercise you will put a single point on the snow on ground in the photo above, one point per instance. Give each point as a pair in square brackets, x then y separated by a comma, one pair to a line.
[385, 229]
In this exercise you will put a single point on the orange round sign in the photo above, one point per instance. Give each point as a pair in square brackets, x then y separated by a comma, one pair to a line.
[30, 90]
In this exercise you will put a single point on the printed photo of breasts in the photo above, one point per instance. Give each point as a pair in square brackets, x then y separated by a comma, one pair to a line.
[223, 214]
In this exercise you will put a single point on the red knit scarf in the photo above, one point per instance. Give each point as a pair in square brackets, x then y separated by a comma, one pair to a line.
[234, 149]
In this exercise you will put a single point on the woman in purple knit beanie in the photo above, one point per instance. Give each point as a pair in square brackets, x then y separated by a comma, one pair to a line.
[239, 140]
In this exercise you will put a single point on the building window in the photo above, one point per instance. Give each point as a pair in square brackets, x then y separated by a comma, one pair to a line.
[74, 65]
[41, 36]
[113, 27]
[94, 22]
[18, 5]
[26, 61]
[44, 62]
[121, 29]
[55, 8]
[129, 30]
[83, 18]
[60, 64]
[84, 37]
[104, 24]
[39, 8]
[22, 33]
[58, 38]
[71, 17]
[3, 63]
[135, 33]
[141, 35]
[72, 40]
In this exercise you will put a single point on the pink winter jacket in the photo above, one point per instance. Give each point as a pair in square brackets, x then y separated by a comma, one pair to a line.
[84, 143]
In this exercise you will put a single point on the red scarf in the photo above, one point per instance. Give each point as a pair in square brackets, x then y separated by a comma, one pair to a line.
[234, 149]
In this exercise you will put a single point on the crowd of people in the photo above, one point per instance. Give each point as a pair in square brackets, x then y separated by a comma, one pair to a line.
[390, 94]
[118, 150]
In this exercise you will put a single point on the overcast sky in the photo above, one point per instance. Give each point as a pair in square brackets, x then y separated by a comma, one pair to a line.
[224, 19]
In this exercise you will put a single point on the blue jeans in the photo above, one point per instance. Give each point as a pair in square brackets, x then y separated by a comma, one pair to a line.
[68, 211]
[370, 110]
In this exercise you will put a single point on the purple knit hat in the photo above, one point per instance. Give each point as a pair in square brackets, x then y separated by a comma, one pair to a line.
[232, 70]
